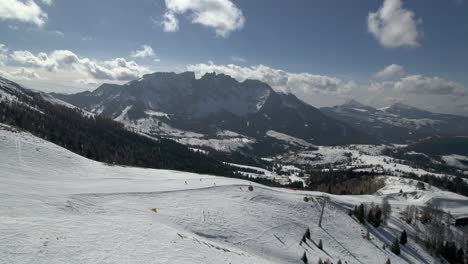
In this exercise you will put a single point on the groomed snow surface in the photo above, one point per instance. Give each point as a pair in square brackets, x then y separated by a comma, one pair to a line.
[58, 207]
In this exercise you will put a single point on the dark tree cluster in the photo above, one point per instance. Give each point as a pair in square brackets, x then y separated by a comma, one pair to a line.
[372, 214]
[452, 254]
[344, 182]
[359, 213]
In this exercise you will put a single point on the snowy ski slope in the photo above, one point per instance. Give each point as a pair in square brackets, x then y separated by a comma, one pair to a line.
[58, 207]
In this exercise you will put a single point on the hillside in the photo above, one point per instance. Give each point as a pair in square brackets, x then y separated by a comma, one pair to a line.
[441, 146]
[60, 207]
[95, 137]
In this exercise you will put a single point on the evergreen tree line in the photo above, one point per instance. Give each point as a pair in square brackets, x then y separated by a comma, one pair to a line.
[452, 184]
[267, 182]
[344, 182]
[422, 161]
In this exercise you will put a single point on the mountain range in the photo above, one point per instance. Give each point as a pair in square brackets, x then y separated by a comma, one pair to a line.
[214, 109]
[398, 123]
[217, 112]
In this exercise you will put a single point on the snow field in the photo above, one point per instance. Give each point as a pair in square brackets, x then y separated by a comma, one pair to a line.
[58, 207]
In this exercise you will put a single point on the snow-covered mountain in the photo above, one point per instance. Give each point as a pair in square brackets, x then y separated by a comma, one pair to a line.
[58, 207]
[398, 123]
[196, 111]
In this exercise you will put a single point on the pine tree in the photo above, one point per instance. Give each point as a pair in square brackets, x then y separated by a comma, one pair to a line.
[320, 245]
[320, 261]
[403, 238]
[304, 258]
[370, 216]
[339, 262]
[303, 240]
[307, 233]
[377, 216]
[460, 254]
[388, 261]
[359, 213]
[396, 247]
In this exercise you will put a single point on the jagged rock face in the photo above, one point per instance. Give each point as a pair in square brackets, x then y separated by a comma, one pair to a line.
[399, 123]
[178, 94]
[212, 103]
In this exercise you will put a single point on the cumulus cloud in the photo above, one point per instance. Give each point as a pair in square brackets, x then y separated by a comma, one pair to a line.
[222, 15]
[393, 26]
[418, 84]
[280, 80]
[116, 69]
[144, 52]
[22, 10]
[391, 71]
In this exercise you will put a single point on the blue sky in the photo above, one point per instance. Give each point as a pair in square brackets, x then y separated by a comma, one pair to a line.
[324, 51]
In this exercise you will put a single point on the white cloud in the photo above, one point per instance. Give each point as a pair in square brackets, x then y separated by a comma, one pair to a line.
[391, 71]
[26, 74]
[65, 60]
[22, 10]
[22, 73]
[144, 52]
[379, 87]
[86, 81]
[47, 2]
[238, 59]
[58, 32]
[170, 22]
[418, 84]
[41, 60]
[280, 80]
[13, 27]
[222, 15]
[393, 26]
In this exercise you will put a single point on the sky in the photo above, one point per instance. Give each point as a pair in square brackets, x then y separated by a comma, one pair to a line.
[324, 51]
